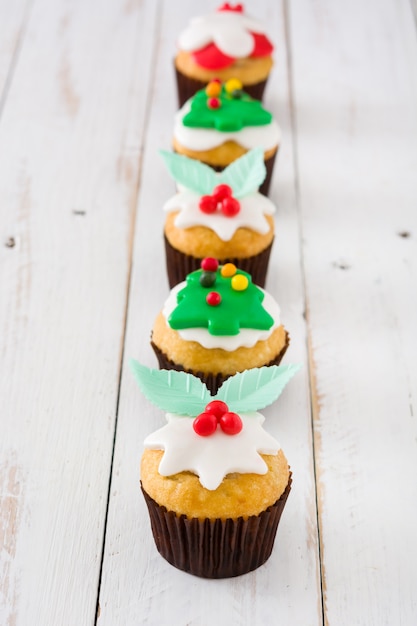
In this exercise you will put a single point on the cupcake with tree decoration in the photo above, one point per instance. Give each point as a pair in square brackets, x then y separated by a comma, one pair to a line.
[218, 214]
[221, 123]
[218, 323]
[227, 43]
[215, 482]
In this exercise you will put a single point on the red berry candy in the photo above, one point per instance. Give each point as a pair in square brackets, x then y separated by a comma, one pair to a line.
[220, 192]
[213, 298]
[207, 204]
[213, 103]
[217, 408]
[231, 423]
[230, 207]
[205, 424]
[209, 264]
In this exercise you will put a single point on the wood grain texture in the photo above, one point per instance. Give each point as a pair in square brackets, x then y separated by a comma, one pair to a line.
[70, 137]
[138, 586]
[356, 99]
[13, 19]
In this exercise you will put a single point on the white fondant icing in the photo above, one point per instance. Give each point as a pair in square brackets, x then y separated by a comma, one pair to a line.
[247, 337]
[215, 456]
[253, 209]
[267, 136]
[228, 30]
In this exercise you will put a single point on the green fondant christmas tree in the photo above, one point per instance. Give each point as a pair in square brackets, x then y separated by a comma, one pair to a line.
[229, 111]
[222, 299]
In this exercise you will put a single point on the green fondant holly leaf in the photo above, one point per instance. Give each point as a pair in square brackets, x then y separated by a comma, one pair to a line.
[256, 388]
[246, 174]
[185, 394]
[194, 175]
[237, 309]
[171, 391]
[234, 113]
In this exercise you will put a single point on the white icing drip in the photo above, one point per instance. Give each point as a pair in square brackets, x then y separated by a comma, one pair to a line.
[228, 30]
[246, 338]
[215, 456]
[267, 136]
[253, 209]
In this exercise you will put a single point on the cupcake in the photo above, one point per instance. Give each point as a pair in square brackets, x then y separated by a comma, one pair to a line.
[218, 214]
[225, 44]
[214, 481]
[218, 129]
[217, 323]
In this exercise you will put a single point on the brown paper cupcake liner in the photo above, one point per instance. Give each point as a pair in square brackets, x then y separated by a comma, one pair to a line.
[213, 382]
[187, 87]
[179, 264]
[215, 548]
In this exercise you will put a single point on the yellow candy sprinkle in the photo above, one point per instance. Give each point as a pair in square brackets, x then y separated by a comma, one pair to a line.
[213, 89]
[239, 282]
[229, 269]
[232, 85]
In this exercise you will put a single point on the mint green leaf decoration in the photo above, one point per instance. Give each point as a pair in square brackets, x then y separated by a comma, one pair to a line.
[171, 391]
[246, 174]
[194, 175]
[256, 388]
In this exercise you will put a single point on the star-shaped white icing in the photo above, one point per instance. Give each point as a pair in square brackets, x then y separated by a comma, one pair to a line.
[253, 209]
[215, 456]
[228, 30]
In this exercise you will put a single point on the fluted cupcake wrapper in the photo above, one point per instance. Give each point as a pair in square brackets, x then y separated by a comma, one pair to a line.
[187, 87]
[179, 264]
[215, 548]
[213, 382]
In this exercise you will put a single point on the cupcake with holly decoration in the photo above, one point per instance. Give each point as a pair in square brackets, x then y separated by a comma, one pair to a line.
[227, 43]
[218, 214]
[221, 123]
[214, 481]
[217, 323]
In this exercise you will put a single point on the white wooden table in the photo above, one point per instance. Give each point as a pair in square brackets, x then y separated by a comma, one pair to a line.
[87, 98]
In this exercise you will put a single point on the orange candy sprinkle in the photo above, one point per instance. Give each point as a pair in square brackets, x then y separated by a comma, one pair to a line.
[213, 89]
[228, 269]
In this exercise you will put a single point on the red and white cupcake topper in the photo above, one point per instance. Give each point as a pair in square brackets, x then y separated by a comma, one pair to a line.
[218, 39]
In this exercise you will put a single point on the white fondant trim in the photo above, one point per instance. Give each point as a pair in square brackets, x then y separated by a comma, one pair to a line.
[253, 209]
[213, 457]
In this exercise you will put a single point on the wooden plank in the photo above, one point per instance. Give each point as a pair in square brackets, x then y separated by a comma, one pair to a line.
[13, 17]
[138, 586]
[355, 84]
[70, 137]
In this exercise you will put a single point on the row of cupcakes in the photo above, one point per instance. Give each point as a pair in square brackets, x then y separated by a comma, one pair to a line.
[214, 481]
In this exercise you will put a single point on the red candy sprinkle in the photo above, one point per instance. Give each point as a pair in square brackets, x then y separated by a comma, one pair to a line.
[220, 192]
[213, 103]
[209, 264]
[238, 8]
[207, 204]
[205, 424]
[216, 412]
[230, 207]
[230, 423]
[213, 298]
[217, 408]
